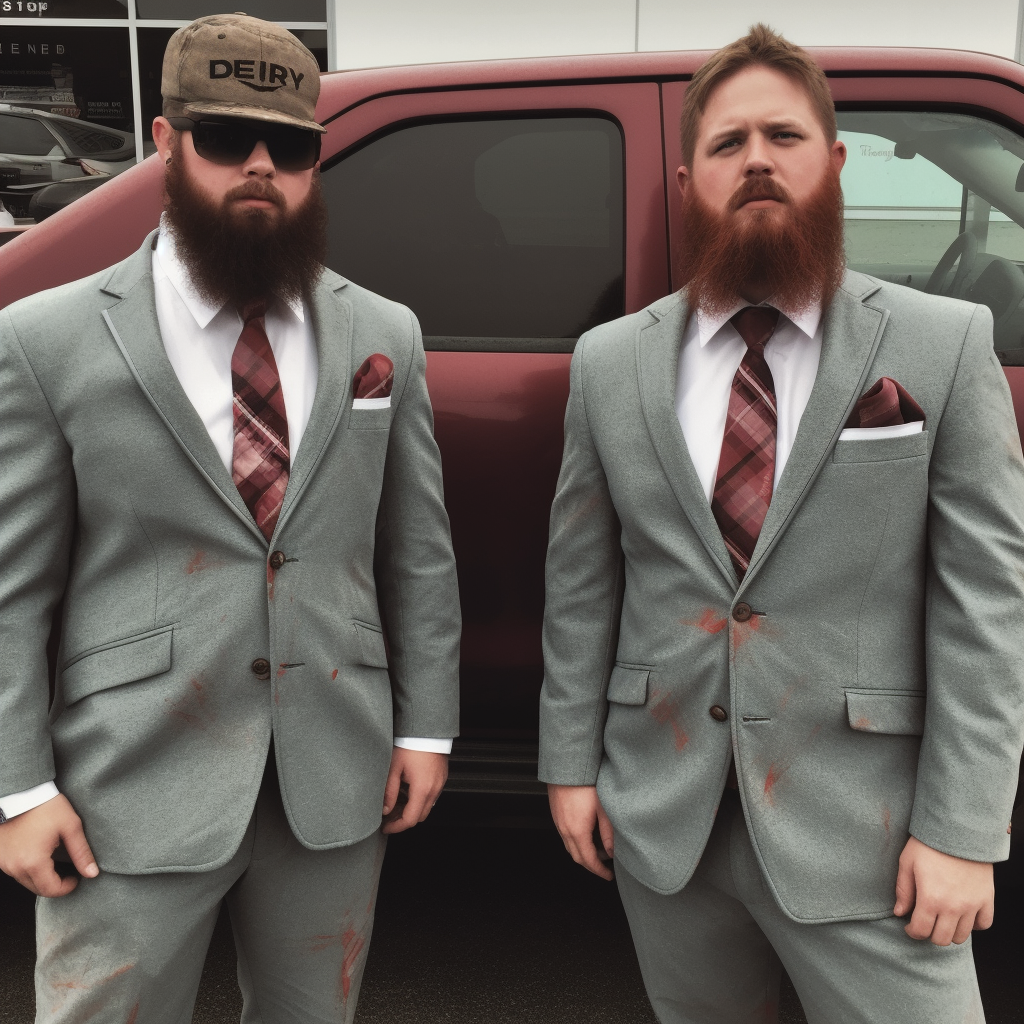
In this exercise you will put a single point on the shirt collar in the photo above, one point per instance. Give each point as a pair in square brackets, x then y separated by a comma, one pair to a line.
[806, 320]
[174, 270]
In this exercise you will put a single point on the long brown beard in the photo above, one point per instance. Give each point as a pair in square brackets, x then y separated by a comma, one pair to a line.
[794, 253]
[238, 254]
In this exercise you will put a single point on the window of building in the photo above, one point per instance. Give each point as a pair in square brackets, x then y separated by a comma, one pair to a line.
[936, 201]
[501, 234]
[78, 86]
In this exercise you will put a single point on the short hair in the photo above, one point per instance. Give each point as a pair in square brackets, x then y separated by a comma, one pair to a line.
[760, 47]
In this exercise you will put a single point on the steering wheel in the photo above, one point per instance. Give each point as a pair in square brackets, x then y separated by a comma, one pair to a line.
[965, 245]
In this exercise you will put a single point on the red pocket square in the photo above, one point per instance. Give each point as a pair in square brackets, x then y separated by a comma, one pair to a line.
[374, 378]
[885, 404]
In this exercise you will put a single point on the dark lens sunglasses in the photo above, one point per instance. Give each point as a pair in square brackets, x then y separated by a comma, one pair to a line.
[230, 142]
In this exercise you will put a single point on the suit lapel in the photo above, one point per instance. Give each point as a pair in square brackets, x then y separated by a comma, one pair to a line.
[332, 328]
[658, 348]
[136, 331]
[851, 333]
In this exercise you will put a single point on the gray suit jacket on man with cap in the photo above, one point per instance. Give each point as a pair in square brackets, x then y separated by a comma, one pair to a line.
[113, 496]
[870, 660]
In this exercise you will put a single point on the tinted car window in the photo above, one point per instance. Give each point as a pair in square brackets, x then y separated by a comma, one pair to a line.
[936, 201]
[86, 139]
[499, 234]
[25, 136]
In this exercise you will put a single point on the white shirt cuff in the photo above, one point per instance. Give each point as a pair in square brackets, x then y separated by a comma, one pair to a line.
[432, 746]
[19, 803]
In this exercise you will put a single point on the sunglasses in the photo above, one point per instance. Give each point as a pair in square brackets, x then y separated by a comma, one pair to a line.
[231, 142]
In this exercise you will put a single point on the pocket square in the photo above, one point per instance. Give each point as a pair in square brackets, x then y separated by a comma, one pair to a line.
[885, 404]
[374, 378]
[372, 403]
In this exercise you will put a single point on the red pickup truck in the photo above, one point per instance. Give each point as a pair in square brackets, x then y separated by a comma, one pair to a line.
[514, 204]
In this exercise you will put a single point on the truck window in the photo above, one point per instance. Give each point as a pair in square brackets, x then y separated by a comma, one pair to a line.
[936, 201]
[501, 235]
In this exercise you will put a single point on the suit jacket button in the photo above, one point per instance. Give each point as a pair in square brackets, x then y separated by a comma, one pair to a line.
[718, 713]
[277, 560]
[742, 612]
[261, 668]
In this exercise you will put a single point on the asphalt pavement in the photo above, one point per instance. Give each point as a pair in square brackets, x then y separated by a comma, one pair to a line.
[483, 919]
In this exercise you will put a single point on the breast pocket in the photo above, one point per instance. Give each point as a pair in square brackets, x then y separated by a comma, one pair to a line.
[370, 413]
[882, 449]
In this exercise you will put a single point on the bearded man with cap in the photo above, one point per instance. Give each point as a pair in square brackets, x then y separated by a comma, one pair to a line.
[784, 594]
[220, 456]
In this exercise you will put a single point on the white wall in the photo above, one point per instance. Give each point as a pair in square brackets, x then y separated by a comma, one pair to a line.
[425, 31]
[987, 25]
[374, 32]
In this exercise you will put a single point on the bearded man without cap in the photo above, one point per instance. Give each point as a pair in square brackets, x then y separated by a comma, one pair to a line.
[784, 587]
[220, 455]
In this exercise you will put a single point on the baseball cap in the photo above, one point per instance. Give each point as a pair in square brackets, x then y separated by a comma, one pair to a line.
[232, 65]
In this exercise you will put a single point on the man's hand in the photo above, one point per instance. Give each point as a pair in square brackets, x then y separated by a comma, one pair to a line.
[28, 840]
[950, 897]
[425, 774]
[576, 810]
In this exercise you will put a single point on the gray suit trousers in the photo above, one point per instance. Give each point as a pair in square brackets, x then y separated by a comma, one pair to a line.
[713, 952]
[131, 948]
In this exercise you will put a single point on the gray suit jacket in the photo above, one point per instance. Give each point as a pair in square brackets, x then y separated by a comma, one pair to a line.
[113, 496]
[879, 687]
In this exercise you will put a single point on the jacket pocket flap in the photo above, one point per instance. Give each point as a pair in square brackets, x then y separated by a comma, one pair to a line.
[894, 712]
[371, 645]
[115, 664]
[628, 684]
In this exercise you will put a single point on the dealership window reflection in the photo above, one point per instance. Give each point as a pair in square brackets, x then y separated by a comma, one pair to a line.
[68, 102]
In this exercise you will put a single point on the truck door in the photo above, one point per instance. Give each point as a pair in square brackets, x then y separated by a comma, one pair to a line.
[510, 220]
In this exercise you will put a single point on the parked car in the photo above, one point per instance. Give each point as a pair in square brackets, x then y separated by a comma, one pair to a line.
[38, 148]
[514, 204]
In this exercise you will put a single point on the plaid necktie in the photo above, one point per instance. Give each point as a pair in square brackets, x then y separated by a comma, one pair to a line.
[746, 468]
[260, 455]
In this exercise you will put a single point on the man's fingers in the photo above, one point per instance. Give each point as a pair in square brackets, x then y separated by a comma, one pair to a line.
[945, 929]
[985, 917]
[78, 850]
[606, 831]
[44, 881]
[400, 822]
[921, 924]
[419, 804]
[582, 850]
[391, 790]
[964, 927]
[906, 891]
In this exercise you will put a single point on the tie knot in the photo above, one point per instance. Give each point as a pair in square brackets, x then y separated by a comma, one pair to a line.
[255, 310]
[755, 325]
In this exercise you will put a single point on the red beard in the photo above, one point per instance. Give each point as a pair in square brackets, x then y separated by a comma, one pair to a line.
[794, 252]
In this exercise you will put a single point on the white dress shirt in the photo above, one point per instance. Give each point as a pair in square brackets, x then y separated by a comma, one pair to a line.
[200, 339]
[711, 353]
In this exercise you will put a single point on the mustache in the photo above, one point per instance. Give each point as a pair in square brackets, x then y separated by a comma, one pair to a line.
[758, 188]
[257, 190]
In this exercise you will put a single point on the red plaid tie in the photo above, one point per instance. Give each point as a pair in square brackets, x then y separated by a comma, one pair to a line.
[746, 468]
[260, 456]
